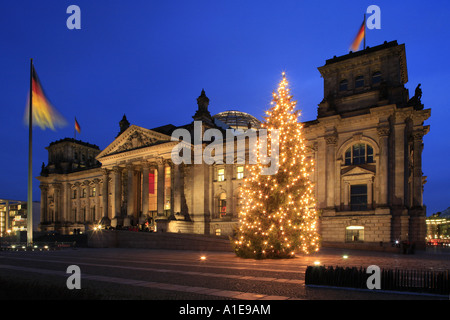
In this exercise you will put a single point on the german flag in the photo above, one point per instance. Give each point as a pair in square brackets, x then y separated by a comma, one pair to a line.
[44, 114]
[77, 126]
[359, 37]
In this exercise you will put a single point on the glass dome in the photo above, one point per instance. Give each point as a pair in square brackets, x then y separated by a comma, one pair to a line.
[238, 119]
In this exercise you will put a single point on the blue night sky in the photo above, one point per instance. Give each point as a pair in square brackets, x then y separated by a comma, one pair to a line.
[151, 59]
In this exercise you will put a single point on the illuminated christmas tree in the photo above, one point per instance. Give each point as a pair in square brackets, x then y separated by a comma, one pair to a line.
[278, 214]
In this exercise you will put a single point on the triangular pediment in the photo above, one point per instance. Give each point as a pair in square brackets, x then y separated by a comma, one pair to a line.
[134, 138]
[357, 171]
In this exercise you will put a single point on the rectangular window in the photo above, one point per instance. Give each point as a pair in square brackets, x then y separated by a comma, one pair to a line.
[376, 77]
[83, 193]
[221, 175]
[222, 207]
[343, 85]
[74, 193]
[354, 234]
[358, 197]
[359, 82]
[93, 192]
[240, 172]
[152, 189]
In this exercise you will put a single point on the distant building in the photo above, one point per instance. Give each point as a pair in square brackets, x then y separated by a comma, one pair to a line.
[438, 227]
[14, 215]
[366, 141]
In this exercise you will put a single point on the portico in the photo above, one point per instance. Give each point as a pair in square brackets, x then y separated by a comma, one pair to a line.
[140, 178]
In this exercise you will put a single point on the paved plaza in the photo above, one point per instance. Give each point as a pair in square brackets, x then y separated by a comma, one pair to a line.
[194, 275]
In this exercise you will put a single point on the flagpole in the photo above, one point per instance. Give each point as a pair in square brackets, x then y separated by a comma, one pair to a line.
[30, 167]
[364, 31]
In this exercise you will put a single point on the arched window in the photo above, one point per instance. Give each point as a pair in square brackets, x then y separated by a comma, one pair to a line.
[376, 77]
[359, 82]
[343, 85]
[359, 153]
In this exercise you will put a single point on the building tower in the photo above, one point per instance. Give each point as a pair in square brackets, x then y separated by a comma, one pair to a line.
[367, 141]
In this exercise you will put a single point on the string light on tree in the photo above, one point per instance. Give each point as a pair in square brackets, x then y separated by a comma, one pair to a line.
[278, 214]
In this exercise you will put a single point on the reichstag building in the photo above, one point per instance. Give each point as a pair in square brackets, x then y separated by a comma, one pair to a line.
[366, 141]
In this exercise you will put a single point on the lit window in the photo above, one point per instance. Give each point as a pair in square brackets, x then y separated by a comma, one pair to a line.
[93, 192]
[218, 232]
[152, 192]
[359, 82]
[358, 197]
[359, 153]
[240, 172]
[222, 204]
[354, 234]
[343, 85]
[221, 175]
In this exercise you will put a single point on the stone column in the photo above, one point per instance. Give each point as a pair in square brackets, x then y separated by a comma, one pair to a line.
[130, 193]
[57, 200]
[116, 193]
[330, 170]
[229, 189]
[87, 207]
[200, 205]
[78, 211]
[383, 133]
[176, 189]
[44, 190]
[97, 212]
[417, 168]
[399, 164]
[321, 183]
[160, 186]
[346, 196]
[66, 202]
[145, 173]
[105, 196]
[370, 194]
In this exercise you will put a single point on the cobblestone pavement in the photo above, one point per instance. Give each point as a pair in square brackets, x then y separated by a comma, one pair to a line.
[179, 275]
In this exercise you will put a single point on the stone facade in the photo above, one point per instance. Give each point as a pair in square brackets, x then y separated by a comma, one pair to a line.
[367, 144]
